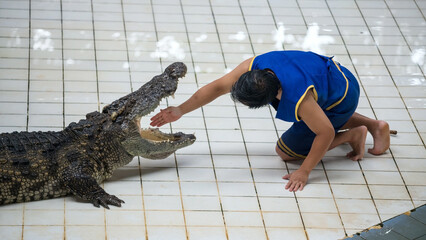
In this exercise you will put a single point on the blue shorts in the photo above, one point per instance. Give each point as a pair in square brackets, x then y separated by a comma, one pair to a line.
[298, 139]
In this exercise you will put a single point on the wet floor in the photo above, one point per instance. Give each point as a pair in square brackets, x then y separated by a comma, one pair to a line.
[62, 59]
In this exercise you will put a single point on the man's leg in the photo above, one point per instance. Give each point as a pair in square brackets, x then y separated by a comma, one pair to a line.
[379, 130]
[354, 136]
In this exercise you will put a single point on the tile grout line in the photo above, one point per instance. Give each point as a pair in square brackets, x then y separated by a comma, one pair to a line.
[334, 199]
[405, 105]
[417, 5]
[181, 196]
[371, 107]
[63, 97]
[420, 67]
[143, 197]
[95, 56]
[29, 66]
[131, 90]
[62, 65]
[127, 45]
[97, 91]
[28, 102]
[403, 100]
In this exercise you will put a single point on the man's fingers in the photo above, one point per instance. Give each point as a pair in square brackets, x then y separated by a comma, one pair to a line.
[294, 189]
[159, 115]
[287, 177]
[156, 116]
[296, 181]
[155, 122]
[159, 119]
[298, 187]
[161, 122]
[293, 185]
[287, 185]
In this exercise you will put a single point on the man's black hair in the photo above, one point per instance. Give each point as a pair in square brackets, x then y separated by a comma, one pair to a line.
[256, 88]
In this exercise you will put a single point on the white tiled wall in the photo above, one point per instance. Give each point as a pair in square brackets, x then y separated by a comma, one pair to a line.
[60, 59]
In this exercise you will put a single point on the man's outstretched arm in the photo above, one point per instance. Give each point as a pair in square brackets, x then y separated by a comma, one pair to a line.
[203, 96]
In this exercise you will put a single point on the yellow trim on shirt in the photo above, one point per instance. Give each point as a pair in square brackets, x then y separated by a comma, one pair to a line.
[251, 63]
[287, 150]
[346, 91]
[302, 97]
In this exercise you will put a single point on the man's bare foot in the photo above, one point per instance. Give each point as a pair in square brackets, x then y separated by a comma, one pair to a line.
[381, 137]
[357, 142]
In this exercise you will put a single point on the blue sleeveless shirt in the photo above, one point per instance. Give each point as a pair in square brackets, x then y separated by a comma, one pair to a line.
[298, 72]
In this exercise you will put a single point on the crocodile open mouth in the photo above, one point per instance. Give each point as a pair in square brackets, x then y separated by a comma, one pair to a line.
[155, 135]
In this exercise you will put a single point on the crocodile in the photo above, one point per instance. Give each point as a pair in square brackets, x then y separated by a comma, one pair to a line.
[44, 165]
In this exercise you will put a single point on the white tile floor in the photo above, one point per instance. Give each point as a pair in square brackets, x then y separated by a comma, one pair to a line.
[60, 59]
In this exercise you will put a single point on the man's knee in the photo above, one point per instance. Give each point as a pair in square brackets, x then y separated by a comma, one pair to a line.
[283, 155]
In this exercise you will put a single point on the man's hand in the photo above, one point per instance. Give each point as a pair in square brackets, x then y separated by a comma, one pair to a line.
[167, 115]
[297, 180]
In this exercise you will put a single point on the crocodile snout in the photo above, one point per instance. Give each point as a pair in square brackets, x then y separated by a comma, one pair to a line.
[176, 70]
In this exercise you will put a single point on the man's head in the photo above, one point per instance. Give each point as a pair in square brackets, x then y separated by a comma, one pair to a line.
[256, 88]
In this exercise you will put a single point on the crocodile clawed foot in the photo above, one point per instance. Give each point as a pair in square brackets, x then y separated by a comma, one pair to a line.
[105, 199]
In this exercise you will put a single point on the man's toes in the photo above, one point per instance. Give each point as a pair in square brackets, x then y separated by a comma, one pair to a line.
[350, 154]
[354, 156]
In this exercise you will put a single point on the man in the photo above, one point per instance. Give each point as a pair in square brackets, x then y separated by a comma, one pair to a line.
[311, 90]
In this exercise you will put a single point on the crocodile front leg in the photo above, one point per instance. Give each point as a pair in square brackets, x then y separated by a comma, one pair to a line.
[80, 181]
